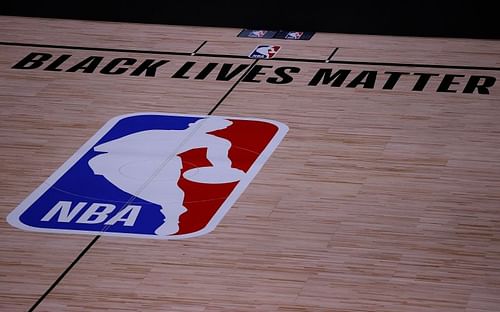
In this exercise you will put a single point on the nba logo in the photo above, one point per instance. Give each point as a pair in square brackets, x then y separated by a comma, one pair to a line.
[264, 52]
[294, 35]
[152, 175]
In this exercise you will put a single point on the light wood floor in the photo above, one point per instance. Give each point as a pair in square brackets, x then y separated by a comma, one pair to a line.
[376, 200]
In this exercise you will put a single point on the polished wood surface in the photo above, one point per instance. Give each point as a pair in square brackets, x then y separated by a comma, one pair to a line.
[376, 200]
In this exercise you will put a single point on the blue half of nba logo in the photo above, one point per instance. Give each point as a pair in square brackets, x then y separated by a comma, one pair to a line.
[152, 175]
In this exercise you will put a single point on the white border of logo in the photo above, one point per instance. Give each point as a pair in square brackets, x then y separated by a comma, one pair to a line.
[13, 217]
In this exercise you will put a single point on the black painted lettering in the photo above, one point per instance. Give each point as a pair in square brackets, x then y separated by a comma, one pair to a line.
[54, 66]
[447, 81]
[88, 65]
[283, 75]
[325, 76]
[225, 74]
[149, 67]
[481, 83]
[183, 70]
[366, 78]
[205, 71]
[254, 72]
[112, 69]
[32, 60]
[393, 79]
[422, 81]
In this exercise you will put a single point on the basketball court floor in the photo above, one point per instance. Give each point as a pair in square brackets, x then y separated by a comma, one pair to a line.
[377, 190]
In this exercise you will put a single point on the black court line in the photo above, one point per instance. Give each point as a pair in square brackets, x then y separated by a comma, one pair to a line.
[50, 46]
[198, 48]
[233, 86]
[96, 238]
[224, 56]
[331, 55]
[302, 60]
[63, 274]
[418, 65]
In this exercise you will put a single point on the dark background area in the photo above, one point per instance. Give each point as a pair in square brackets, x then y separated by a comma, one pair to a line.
[404, 18]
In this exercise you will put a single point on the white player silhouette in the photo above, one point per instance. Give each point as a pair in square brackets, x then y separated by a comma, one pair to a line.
[146, 164]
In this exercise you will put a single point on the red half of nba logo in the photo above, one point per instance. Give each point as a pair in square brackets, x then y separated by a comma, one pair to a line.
[264, 51]
[152, 175]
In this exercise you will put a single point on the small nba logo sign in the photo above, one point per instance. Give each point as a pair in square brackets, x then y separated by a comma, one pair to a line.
[294, 35]
[257, 34]
[152, 175]
[264, 52]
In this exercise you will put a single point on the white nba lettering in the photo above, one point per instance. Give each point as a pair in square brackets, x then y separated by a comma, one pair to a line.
[98, 216]
[96, 213]
[131, 210]
[66, 214]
